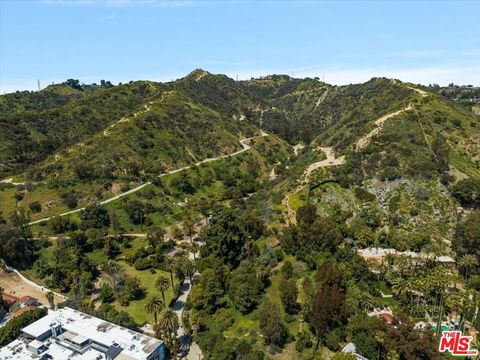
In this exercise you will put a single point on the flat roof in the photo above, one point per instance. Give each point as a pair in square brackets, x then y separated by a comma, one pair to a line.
[36, 344]
[17, 350]
[79, 339]
[84, 326]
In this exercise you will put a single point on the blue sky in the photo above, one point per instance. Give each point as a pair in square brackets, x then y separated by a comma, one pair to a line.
[344, 42]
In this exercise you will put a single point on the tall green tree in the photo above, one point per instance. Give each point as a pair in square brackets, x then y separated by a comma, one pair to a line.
[272, 326]
[16, 243]
[94, 216]
[155, 236]
[245, 288]
[289, 294]
[467, 236]
[51, 299]
[227, 235]
[328, 310]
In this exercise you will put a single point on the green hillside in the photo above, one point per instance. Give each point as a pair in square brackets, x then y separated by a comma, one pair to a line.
[37, 124]
[266, 194]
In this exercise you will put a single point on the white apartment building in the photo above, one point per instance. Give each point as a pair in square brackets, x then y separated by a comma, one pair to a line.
[67, 334]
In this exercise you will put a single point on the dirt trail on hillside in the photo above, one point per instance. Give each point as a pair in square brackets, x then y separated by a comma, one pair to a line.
[331, 160]
[365, 140]
[10, 181]
[297, 148]
[125, 119]
[290, 216]
[321, 99]
[245, 147]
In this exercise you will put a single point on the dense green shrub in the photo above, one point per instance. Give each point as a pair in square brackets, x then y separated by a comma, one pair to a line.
[12, 329]
[35, 207]
[467, 191]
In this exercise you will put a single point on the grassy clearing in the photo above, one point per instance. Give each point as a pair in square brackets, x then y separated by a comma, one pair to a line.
[243, 325]
[7, 200]
[136, 308]
[297, 200]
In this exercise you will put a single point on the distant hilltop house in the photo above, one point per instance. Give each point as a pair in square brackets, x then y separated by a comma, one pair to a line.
[69, 334]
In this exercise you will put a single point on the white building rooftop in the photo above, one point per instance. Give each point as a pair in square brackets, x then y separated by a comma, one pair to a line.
[67, 333]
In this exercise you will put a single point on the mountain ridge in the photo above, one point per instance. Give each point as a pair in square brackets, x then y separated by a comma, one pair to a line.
[302, 110]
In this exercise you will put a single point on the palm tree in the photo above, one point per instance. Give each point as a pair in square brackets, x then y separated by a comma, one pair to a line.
[194, 249]
[154, 305]
[402, 264]
[189, 227]
[162, 284]
[189, 269]
[467, 262]
[367, 301]
[397, 285]
[431, 251]
[169, 321]
[179, 272]
[170, 264]
[50, 298]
